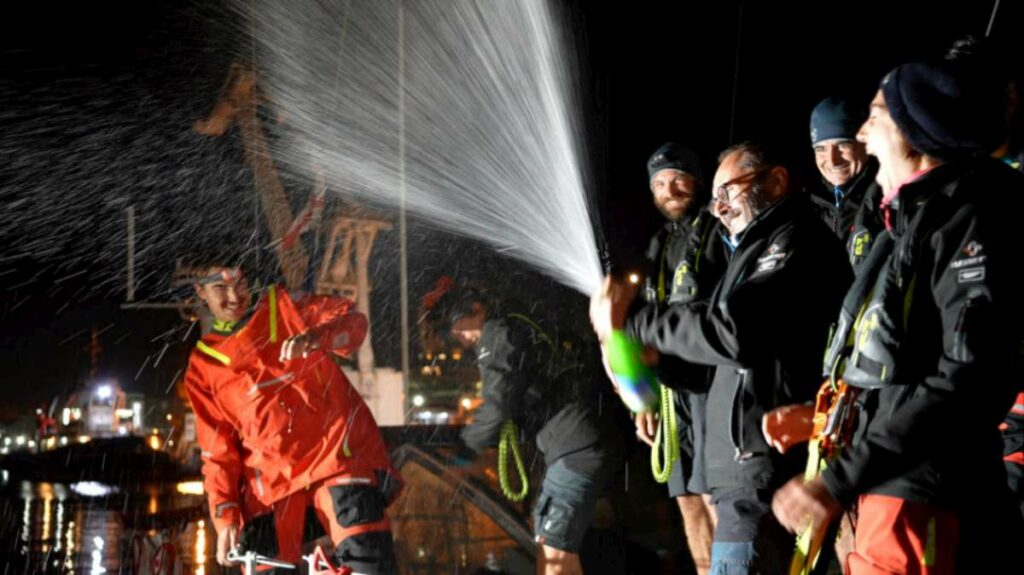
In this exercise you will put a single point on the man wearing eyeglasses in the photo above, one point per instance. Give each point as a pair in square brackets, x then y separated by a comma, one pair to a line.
[848, 202]
[763, 330]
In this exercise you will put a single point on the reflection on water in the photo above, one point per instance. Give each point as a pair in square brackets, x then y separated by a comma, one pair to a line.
[97, 556]
[200, 556]
[69, 560]
[47, 496]
[442, 525]
[48, 528]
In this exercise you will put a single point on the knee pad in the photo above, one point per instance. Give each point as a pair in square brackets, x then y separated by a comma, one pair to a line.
[368, 553]
[560, 524]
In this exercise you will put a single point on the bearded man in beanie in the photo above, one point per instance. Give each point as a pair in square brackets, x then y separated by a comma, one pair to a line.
[929, 338]
[849, 197]
[684, 262]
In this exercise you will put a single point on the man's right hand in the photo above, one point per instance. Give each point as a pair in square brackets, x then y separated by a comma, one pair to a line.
[610, 305]
[227, 539]
[646, 426]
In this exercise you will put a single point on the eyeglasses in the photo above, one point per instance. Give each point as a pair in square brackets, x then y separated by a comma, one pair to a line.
[721, 195]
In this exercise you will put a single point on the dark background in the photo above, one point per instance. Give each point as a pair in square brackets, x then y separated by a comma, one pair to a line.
[97, 102]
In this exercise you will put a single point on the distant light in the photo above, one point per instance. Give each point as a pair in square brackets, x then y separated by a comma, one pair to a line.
[122, 430]
[634, 278]
[425, 415]
[169, 417]
[425, 370]
[65, 416]
[31, 444]
[466, 403]
[20, 440]
[104, 391]
[154, 442]
[442, 356]
[457, 354]
[7, 441]
[170, 442]
[190, 488]
[64, 440]
[4, 475]
[76, 413]
[92, 489]
[84, 439]
[124, 413]
[5, 450]
[418, 400]
[443, 416]
[51, 442]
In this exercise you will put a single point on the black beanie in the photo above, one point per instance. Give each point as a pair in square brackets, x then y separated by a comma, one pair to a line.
[836, 118]
[671, 156]
[945, 109]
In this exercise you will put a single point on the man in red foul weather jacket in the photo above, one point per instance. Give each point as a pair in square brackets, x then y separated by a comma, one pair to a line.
[281, 428]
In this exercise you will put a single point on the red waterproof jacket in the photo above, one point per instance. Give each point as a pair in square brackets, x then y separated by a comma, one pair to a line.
[278, 427]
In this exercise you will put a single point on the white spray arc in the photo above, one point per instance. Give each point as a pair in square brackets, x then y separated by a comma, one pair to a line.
[464, 109]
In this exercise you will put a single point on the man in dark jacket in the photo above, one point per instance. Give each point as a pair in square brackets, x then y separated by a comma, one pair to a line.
[549, 388]
[930, 333]
[849, 197]
[684, 262]
[763, 329]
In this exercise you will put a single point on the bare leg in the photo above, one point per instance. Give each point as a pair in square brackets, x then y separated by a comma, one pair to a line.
[699, 524]
[551, 561]
[711, 508]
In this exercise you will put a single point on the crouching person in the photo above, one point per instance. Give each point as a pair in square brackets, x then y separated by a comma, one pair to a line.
[538, 386]
[281, 428]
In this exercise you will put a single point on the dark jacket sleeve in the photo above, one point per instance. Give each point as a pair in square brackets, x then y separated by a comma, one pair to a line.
[758, 318]
[500, 357]
[970, 384]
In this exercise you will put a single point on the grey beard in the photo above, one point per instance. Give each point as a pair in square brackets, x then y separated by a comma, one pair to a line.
[756, 200]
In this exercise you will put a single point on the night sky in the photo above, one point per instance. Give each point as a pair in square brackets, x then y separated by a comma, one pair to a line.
[97, 102]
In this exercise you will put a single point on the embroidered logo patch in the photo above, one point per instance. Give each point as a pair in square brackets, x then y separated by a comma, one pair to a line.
[768, 262]
[971, 275]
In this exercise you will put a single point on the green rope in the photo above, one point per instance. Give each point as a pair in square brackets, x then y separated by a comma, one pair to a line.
[509, 440]
[665, 451]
